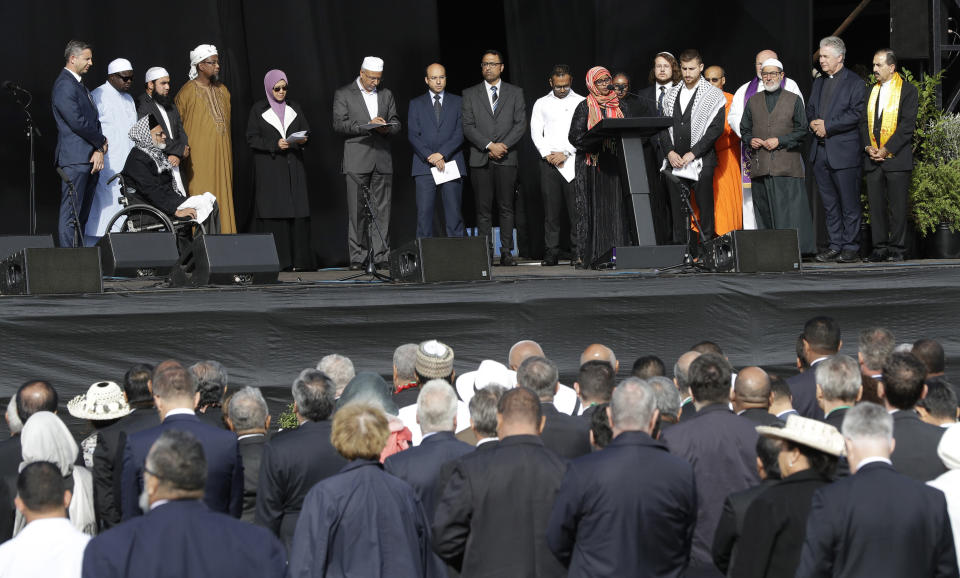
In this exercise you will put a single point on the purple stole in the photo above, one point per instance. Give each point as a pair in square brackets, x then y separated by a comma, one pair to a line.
[746, 152]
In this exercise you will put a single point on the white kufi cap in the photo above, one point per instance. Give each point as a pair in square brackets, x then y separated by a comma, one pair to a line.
[198, 55]
[373, 64]
[119, 65]
[155, 72]
[771, 62]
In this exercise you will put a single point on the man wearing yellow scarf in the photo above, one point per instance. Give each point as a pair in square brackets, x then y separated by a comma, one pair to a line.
[887, 129]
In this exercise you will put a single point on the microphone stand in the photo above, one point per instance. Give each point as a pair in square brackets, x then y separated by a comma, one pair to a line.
[363, 191]
[706, 261]
[32, 132]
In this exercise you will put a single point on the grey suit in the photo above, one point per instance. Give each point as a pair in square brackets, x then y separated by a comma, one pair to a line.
[494, 178]
[366, 155]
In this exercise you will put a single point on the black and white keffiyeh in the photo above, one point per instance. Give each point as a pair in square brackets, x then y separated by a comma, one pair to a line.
[140, 135]
[706, 102]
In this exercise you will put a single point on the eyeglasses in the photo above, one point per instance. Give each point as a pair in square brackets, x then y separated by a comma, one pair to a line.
[562, 88]
[280, 88]
[490, 64]
[152, 473]
[714, 79]
[773, 74]
[125, 78]
[213, 63]
[621, 86]
[602, 81]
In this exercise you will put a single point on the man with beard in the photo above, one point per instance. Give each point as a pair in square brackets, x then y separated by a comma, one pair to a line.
[117, 113]
[774, 126]
[156, 100]
[664, 74]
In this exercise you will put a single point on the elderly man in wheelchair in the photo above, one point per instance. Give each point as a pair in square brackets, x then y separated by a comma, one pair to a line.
[154, 195]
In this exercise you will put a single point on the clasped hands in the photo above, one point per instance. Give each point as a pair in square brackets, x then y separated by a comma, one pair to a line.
[677, 161]
[877, 154]
[497, 150]
[819, 128]
[556, 159]
[436, 159]
[770, 144]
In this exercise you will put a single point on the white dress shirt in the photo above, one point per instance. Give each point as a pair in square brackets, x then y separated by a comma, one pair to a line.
[369, 99]
[45, 548]
[75, 75]
[550, 127]
[686, 95]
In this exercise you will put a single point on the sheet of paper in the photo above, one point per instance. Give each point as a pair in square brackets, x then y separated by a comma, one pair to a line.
[202, 203]
[372, 125]
[297, 137]
[690, 171]
[450, 172]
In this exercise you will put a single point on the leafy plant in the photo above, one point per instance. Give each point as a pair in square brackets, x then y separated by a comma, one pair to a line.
[935, 195]
[928, 113]
[288, 419]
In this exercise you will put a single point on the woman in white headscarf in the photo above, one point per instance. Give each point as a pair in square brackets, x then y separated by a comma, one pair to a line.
[46, 439]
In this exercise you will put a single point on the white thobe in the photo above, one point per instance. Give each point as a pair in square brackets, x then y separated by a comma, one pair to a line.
[118, 113]
[45, 548]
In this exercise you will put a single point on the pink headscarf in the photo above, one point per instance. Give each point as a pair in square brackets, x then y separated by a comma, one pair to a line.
[269, 81]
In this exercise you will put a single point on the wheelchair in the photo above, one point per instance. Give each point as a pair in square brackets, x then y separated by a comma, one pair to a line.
[140, 216]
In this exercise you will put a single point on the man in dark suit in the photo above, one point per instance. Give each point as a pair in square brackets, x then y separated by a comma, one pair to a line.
[156, 101]
[175, 394]
[720, 445]
[681, 377]
[876, 522]
[366, 158]
[834, 110]
[915, 454]
[296, 459]
[565, 435]
[594, 386]
[838, 387]
[751, 396]
[80, 142]
[494, 121]
[108, 455]
[821, 339]
[628, 510]
[887, 133]
[491, 515]
[179, 534]
[435, 130]
[249, 418]
[930, 352]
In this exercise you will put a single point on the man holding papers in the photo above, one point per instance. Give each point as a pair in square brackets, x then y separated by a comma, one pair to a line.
[436, 133]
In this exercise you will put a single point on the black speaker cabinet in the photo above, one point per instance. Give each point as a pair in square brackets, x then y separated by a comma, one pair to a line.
[765, 251]
[10, 244]
[441, 259]
[138, 254]
[646, 257]
[40, 271]
[228, 260]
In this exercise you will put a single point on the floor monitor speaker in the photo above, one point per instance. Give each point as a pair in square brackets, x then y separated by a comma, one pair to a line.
[441, 259]
[45, 271]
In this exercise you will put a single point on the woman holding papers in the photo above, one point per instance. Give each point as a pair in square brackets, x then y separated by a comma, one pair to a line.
[277, 132]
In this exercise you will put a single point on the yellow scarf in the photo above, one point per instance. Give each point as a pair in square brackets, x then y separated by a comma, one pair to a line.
[891, 109]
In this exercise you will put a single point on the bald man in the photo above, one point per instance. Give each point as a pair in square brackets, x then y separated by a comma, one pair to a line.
[681, 375]
[566, 399]
[600, 352]
[727, 199]
[751, 396]
[734, 117]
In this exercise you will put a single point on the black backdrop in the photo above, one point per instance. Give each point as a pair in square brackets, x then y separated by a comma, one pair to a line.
[320, 46]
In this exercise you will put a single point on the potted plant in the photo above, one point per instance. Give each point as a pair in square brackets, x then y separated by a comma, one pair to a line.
[935, 190]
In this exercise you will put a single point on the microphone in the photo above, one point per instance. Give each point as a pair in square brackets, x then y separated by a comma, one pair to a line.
[638, 95]
[63, 175]
[11, 86]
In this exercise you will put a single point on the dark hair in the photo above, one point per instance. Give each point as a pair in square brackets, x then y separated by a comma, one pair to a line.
[940, 401]
[930, 352]
[540, 375]
[710, 378]
[483, 409]
[560, 70]
[135, 383]
[707, 347]
[623, 74]
[494, 52]
[48, 399]
[211, 382]
[600, 425]
[690, 54]
[804, 364]
[314, 392]
[648, 366]
[520, 405]
[596, 380]
[821, 462]
[768, 449]
[422, 379]
[674, 67]
[822, 334]
[779, 387]
[178, 460]
[903, 376]
[889, 54]
[40, 486]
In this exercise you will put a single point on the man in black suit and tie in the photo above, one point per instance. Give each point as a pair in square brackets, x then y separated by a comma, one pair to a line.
[594, 386]
[887, 133]
[492, 514]
[834, 111]
[80, 142]
[249, 418]
[902, 387]
[494, 121]
[751, 397]
[366, 158]
[628, 510]
[565, 435]
[435, 130]
[821, 339]
[296, 459]
[876, 522]
[175, 395]
[720, 445]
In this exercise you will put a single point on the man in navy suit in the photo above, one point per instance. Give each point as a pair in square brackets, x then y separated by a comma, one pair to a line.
[834, 110]
[820, 340]
[876, 522]
[630, 509]
[180, 535]
[175, 394]
[80, 142]
[436, 134]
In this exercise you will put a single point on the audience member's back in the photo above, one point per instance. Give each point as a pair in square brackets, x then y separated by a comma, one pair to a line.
[915, 453]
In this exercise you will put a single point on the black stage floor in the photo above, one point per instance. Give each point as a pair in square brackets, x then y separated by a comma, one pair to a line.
[266, 334]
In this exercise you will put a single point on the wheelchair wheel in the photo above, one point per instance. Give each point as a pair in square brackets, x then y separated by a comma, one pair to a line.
[138, 218]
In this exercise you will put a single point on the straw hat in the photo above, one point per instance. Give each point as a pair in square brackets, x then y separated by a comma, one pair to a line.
[808, 432]
[104, 400]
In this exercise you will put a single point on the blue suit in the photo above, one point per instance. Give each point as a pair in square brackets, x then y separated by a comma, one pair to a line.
[427, 136]
[224, 491]
[184, 538]
[78, 136]
[838, 158]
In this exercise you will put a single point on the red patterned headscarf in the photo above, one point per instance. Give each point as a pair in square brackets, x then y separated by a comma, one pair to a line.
[596, 100]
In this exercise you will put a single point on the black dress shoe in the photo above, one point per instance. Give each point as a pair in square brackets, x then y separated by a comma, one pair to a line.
[848, 257]
[356, 266]
[828, 256]
[877, 256]
[550, 261]
[507, 260]
[897, 257]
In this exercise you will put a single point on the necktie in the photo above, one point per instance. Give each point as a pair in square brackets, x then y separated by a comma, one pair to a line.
[436, 106]
[877, 119]
[494, 99]
[663, 91]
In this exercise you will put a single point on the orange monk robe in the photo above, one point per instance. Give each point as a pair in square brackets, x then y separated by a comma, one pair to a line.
[727, 194]
[206, 120]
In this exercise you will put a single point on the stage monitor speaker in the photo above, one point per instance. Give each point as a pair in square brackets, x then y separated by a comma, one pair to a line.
[441, 259]
[910, 28]
[145, 254]
[646, 257]
[764, 251]
[10, 244]
[45, 271]
[228, 260]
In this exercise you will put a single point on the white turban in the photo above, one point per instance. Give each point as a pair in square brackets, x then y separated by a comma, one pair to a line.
[198, 55]
[155, 72]
[119, 65]
[772, 62]
[373, 64]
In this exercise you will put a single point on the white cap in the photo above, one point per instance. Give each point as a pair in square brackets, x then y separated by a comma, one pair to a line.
[372, 63]
[155, 72]
[771, 62]
[119, 65]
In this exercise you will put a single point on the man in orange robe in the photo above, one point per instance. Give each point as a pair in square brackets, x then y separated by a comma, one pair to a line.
[727, 194]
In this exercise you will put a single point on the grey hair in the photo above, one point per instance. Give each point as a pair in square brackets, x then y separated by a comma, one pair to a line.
[177, 459]
[13, 418]
[876, 344]
[483, 409]
[339, 368]
[211, 381]
[436, 406]
[867, 421]
[632, 404]
[405, 361]
[540, 375]
[668, 396]
[836, 43]
[247, 409]
[313, 392]
[74, 48]
[839, 378]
